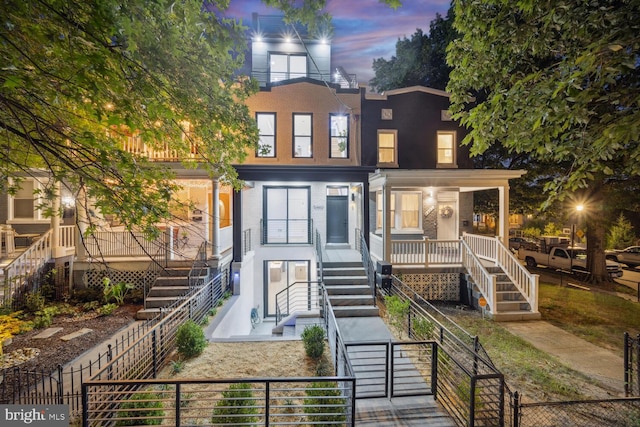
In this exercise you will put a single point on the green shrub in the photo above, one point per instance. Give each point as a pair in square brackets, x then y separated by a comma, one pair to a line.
[236, 407]
[422, 328]
[177, 366]
[107, 309]
[115, 292]
[324, 404]
[324, 368]
[145, 407]
[34, 302]
[313, 339]
[190, 339]
[44, 317]
[397, 311]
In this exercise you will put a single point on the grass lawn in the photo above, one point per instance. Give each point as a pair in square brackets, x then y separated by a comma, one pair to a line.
[597, 317]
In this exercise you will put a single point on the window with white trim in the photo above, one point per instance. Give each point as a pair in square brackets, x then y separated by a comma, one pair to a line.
[285, 67]
[339, 124]
[387, 147]
[302, 138]
[446, 149]
[23, 206]
[267, 133]
[406, 211]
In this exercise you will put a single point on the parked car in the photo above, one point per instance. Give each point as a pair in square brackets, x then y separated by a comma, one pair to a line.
[516, 242]
[629, 256]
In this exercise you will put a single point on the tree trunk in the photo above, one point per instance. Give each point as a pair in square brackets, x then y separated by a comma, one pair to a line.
[596, 230]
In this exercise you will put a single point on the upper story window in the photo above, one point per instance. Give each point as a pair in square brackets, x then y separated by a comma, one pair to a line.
[286, 216]
[285, 67]
[406, 211]
[302, 135]
[387, 148]
[339, 136]
[446, 149]
[23, 206]
[267, 131]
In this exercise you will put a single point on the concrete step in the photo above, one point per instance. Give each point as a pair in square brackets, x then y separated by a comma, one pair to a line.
[509, 296]
[171, 281]
[345, 280]
[176, 271]
[348, 289]
[504, 306]
[167, 291]
[356, 311]
[343, 271]
[349, 264]
[346, 300]
[147, 313]
[158, 302]
[513, 316]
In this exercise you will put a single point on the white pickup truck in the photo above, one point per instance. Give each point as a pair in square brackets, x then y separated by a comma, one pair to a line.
[562, 258]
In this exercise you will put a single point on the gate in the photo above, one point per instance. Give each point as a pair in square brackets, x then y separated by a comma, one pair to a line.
[395, 369]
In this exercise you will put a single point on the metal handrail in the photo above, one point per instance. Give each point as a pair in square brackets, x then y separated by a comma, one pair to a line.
[369, 268]
[281, 312]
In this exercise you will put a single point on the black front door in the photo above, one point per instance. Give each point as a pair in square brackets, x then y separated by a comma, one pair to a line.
[337, 219]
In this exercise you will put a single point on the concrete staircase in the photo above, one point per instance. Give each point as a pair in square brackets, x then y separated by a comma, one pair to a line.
[511, 304]
[348, 289]
[169, 287]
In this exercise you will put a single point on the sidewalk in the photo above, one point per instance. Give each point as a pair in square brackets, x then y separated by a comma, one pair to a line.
[576, 353]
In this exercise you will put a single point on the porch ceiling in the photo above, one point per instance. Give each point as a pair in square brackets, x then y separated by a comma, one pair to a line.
[465, 179]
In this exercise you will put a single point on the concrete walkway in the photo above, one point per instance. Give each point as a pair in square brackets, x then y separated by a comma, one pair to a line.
[576, 353]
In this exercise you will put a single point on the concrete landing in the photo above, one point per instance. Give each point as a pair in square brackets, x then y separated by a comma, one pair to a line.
[401, 411]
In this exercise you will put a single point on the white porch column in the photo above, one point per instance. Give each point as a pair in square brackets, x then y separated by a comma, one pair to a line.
[81, 222]
[386, 221]
[503, 220]
[215, 223]
[56, 250]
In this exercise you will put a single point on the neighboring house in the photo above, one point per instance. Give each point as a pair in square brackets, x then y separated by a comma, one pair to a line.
[423, 188]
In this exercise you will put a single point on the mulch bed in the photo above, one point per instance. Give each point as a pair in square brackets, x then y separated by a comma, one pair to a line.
[54, 352]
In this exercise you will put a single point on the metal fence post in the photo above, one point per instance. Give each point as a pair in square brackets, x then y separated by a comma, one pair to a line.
[85, 405]
[61, 384]
[434, 370]
[154, 351]
[516, 409]
[627, 365]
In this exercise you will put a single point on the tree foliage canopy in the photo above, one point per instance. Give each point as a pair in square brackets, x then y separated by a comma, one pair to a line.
[78, 77]
[558, 79]
[419, 60]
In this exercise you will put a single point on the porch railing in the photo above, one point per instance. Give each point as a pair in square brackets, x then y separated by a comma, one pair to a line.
[492, 249]
[21, 274]
[423, 252]
[104, 244]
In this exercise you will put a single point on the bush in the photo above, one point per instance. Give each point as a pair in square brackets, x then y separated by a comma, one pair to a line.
[324, 404]
[34, 302]
[44, 317]
[87, 295]
[324, 368]
[397, 311]
[106, 309]
[145, 407]
[422, 328]
[115, 292]
[313, 339]
[190, 339]
[236, 407]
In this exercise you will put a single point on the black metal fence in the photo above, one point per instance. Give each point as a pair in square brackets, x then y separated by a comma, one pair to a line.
[623, 412]
[62, 386]
[242, 402]
[631, 365]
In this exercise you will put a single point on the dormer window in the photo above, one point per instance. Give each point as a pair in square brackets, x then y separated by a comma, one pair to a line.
[285, 67]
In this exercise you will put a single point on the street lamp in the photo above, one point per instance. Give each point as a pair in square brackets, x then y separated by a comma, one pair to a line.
[579, 208]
